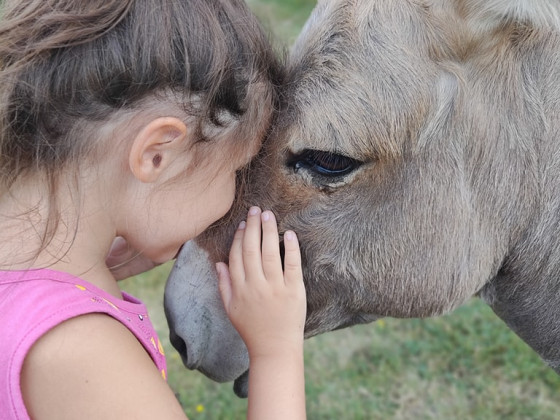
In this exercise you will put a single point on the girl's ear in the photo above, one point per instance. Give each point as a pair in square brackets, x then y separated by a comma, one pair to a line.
[155, 147]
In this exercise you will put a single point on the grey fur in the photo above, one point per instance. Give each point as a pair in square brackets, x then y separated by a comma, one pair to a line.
[452, 106]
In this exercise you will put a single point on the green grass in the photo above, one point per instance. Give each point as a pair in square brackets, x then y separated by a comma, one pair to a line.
[466, 365]
[283, 18]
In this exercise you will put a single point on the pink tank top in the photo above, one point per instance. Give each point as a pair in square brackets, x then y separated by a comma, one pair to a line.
[32, 302]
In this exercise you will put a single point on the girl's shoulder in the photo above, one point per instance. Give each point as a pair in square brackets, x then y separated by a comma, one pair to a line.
[73, 342]
[39, 300]
[92, 366]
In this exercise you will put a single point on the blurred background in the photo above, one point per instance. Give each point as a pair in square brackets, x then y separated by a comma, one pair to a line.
[465, 365]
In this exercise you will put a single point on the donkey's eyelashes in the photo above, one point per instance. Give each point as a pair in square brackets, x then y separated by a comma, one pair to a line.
[326, 164]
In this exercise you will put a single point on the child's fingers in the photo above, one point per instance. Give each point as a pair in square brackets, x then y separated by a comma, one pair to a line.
[292, 258]
[252, 261]
[224, 283]
[272, 264]
[236, 267]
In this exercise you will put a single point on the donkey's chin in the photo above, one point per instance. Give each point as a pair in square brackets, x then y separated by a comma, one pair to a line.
[241, 385]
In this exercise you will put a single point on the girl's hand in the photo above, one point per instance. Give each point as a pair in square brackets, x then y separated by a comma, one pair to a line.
[265, 304]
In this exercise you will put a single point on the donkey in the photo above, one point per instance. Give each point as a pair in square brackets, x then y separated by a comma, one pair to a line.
[416, 152]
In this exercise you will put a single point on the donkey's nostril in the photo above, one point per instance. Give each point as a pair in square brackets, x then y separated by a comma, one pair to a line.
[181, 347]
[178, 343]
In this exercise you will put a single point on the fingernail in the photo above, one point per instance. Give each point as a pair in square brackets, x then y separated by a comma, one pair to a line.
[266, 216]
[289, 236]
[242, 225]
[253, 211]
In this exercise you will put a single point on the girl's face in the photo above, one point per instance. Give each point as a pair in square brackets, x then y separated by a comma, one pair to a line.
[183, 208]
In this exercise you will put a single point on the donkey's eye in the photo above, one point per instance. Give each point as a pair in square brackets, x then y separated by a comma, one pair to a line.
[323, 163]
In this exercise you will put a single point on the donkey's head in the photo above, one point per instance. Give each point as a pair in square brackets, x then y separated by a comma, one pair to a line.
[403, 156]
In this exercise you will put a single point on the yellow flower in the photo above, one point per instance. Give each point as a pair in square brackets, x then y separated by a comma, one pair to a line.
[381, 323]
[199, 408]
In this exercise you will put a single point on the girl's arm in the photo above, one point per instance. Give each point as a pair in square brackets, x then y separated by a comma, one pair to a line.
[267, 306]
[93, 367]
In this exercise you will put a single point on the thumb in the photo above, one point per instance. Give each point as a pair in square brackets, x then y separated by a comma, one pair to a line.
[224, 283]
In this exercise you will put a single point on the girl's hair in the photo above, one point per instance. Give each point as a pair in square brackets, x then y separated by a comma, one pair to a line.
[68, 64]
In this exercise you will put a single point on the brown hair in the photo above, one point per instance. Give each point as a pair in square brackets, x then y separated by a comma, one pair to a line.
[65, 64]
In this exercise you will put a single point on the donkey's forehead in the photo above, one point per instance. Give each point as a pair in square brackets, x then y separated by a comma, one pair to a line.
[343, 25]
[365, 75]
[382, 103]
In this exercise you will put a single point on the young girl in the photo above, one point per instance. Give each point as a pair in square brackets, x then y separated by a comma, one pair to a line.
[130, 118]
